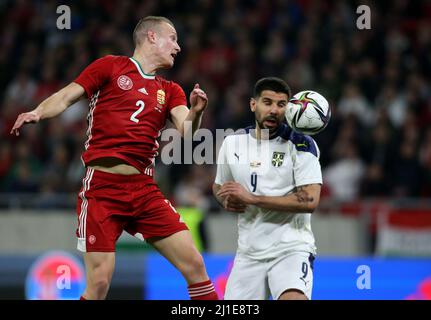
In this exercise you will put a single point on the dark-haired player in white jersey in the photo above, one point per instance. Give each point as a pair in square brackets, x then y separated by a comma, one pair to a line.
[129, 106]
[271, 176]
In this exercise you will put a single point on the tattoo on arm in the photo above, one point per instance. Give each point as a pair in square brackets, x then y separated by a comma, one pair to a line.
[302, 195]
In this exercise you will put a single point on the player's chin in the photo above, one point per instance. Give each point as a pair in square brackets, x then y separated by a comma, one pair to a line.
[271, 128]
[170, 63]
[167, 65]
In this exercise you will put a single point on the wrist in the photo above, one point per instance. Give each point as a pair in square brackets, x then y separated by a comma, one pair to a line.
[254, 200]
[193, 111]
[38, 113]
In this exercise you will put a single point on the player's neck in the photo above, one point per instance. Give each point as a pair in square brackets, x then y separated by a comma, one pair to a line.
[144, 60]
[264, 134]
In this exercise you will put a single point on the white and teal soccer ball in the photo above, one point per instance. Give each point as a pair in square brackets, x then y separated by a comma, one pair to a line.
[308, 112]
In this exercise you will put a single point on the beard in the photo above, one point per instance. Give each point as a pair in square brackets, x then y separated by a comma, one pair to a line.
[271, 129]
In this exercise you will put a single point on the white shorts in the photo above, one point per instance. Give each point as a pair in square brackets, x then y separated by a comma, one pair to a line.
[252, 279]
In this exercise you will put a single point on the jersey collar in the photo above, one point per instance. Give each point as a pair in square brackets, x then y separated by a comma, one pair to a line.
[143, 74]
[251, 130]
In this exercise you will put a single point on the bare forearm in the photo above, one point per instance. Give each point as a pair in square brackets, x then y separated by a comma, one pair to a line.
[51, 107]
[299, 201]
[192, 123]
[58, 102]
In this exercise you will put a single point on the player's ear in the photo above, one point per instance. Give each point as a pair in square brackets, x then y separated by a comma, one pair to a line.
[253, 104]
[151, 36]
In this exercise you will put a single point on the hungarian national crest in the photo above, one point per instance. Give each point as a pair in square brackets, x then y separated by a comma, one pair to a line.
[277, 158]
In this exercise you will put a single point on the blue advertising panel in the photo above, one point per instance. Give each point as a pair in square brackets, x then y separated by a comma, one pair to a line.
[55, 275]
[334, 278]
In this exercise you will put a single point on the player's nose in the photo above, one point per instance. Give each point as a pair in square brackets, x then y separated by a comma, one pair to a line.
[274, 109]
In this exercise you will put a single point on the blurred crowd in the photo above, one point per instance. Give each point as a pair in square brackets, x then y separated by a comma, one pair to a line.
[378, 143]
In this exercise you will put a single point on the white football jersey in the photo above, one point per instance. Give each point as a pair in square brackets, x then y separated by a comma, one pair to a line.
[271, 167]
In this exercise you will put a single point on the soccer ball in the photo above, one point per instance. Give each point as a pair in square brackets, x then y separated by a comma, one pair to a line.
[308, 112]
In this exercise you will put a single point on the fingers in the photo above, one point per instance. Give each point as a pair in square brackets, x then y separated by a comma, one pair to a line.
[235, 205]
[223, 193]
[22, 119]
[17, 125]
[229, 206]
[203, 95]
[198, 91]
[235, 210]
[231, 203]
[227, 189]
[230, 184]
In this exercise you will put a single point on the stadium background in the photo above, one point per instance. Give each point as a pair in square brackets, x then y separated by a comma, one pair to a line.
[375, 153]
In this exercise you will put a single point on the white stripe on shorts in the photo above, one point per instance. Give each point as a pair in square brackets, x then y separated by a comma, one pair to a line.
[84, 204]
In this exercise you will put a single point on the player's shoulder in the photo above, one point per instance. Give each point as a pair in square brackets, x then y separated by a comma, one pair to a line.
[300, 141]
[112, 62]
[167, 83]
[237, 136]
[110, 58]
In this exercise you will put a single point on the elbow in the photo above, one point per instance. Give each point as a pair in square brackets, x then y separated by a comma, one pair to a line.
[312, 206]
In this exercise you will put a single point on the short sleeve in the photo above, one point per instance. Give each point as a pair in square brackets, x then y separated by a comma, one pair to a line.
[306, 166]
[223, 170]
[95, 75]
[177, 97]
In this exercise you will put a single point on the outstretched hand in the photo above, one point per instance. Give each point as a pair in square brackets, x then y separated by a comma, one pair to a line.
[24, 118]
[198, 99]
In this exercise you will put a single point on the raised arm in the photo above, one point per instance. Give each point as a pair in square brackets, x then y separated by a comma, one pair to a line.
[51, 106]
[185, 119]
[303, 199]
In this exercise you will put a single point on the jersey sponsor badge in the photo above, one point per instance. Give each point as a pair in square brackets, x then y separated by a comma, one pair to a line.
[161, 96]
[124, 82]
[255, 164]
[277, 158]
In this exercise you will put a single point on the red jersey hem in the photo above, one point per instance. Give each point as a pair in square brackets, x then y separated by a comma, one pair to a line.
[141, 166]
[100, 250]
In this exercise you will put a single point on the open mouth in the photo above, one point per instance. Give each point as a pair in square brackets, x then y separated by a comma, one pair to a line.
[270, 122]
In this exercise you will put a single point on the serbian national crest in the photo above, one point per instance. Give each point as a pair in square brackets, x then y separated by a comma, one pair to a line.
[277, 158]
[124, 82]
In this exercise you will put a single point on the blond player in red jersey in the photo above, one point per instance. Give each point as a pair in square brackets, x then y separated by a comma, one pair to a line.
[129, 105]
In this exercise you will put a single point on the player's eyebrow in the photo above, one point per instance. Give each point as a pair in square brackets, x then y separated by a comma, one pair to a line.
[282, 101]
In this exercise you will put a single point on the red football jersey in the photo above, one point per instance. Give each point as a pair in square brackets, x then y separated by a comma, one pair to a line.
[128, 109]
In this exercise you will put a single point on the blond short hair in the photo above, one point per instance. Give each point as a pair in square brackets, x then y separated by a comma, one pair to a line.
[146, 24]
